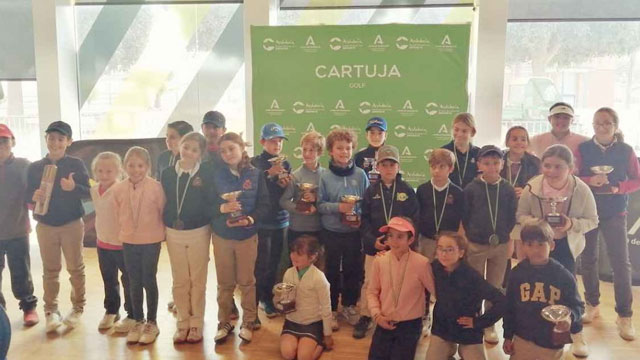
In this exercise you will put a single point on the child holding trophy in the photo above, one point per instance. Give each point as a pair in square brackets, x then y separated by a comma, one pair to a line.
[536, 283]
[341, 188]
[365, 159]
[240, 199]
[610, 167]
[304, 298]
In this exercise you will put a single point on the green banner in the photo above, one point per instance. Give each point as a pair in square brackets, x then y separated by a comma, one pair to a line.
[321, 77]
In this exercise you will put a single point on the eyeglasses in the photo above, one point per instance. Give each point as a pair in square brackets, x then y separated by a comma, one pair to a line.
[446, 250]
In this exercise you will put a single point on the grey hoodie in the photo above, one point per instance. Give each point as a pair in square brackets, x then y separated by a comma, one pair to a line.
[298, 221]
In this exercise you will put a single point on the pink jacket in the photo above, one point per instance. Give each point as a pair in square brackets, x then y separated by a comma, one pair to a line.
[140, 211]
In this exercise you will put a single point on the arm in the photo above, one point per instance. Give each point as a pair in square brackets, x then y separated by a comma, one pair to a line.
[367, 234]
[373, 289]
[589, 215]
[324, 299]
[263, 205]
[466, 211]
[81, 178]
[426, 278]
[571, 298]
[509, 318]
[524, 212]
[324, 205]
[287, 199]
[633, 173]
[498, 302]
[34, 176]
[513, 207]
[413, 206]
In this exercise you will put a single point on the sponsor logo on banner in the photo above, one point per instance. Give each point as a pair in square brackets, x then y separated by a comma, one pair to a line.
[289, 130]
[339, 109]
[378, 44]
[357, 71]
[443, 133]
[406, 157]
[297, 152]
[446, 45]
[274, 108]
[434, 108]
[270, 44]
[337, 43]
[311, 128]
[427, 153]
[414, 176]
[310, 45]
[407, 109]
[300, 107]
[402, 131]
[355, 130]
[410, 43]
[367, 107]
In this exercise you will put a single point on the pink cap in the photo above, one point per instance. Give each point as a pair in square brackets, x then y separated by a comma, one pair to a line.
[399, 224]
[6, 132]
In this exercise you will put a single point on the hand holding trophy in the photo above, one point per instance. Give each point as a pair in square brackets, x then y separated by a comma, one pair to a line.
[276, 164]
[350, 218]
[554, 218]
[46, 188]
[603, 187]
[285, 295]
[234, 209]
[307, 197]
[560, 315]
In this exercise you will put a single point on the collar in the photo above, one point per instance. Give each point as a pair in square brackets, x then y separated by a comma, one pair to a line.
[440, 188]
[604, 147]
[138, 185]
[265, 155]
[485, 181]
[49, 161]
[9, 160]
[403, 258]
[191, 172]
[339, 171]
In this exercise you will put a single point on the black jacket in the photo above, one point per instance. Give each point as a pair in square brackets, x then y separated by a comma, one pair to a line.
[476, 216]
[530, 289]
[452, 212]
[529, 167]
[460, 293]
[278, 218]
[472, 166]
[405, 203]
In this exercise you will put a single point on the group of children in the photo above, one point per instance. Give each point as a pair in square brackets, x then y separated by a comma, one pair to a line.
[387, 248]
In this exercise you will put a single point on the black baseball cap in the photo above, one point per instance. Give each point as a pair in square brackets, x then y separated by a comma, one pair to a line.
[214, 117]
[490, 149]
[61, 127]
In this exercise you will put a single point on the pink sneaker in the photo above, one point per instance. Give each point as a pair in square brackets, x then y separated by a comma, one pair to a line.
[30, 317]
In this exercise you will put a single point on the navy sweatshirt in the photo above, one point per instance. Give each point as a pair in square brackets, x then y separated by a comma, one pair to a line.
[405, 203]
[472, 166]
[452, 212]
[165, 160]
[626, 174]
[460, 293]
[530, 289]
[529, 167]
[277, 218]
[368, 152]
[65, 206]
[476, 215]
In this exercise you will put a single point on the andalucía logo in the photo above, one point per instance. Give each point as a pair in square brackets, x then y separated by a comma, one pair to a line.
[404, 43]
[270, 44]
[337, 43]
[443, 133]
[300, 107]
[274, 108]
[407, 109]
[434, 108]
[378, 44]
[340, 109]
[310, 45]
[367, 107]
[402, 131]
[406, 156]
[446, 45]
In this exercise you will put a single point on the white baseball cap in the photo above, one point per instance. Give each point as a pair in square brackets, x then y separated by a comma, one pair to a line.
[561, 108]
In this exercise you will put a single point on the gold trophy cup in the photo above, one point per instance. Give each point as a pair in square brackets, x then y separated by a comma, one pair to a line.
[278, 160]
[554, 218]
[303, 205]
[235, 216]
[602, 170]
[285, 294]
[351, 218]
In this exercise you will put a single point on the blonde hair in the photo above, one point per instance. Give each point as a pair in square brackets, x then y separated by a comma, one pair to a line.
[198, 138]
[107, 156]
[467, 119]
[141, 153]
[441, 156]
[314, 138]
[341, 134]
[237, 139]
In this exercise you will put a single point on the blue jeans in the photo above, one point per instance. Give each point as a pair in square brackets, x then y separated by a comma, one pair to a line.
[141, 262]
[17, 253]
[399, 343]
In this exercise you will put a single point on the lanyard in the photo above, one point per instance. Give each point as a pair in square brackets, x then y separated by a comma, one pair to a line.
[462, 172]
[180, 202]
[513, 181]
[435, 207]
[396, 295]
[387, 216]
[136, 216]
[494, 218]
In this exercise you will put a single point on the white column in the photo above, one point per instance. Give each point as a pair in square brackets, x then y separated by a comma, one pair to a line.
[487, 71]
[256, 12]
[55, 58]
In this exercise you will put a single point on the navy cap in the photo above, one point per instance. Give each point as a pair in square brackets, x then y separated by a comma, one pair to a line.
[378, 122]
[214, 117]
[490, 149]
[61, 127]
[271, 131]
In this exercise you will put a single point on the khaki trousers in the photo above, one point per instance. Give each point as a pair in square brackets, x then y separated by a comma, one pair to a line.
[65, 240]
[490, 261]
[364, 305]
[527, 350]
[439, 349]
[235, 263]
[427, 247]
[189, 257]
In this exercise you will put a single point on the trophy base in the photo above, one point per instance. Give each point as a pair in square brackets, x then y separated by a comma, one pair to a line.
[603, 189]
[288, 306]
[236, 219]
[561, 338]
[374, 177]
[352, 220]
[555, 220]
[303, 206]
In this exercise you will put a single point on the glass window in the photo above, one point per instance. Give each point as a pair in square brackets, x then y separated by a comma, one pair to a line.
[19, 110]
[302, 4]
[141, 66]
[451, 15]
[587, 64]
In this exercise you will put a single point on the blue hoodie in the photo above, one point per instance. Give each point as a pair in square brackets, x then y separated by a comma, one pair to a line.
[335, 183]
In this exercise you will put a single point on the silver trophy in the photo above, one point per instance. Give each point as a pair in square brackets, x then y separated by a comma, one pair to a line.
[278, 160]
[285, 294]
[303, 205]
[602, 170]
[554, 218]
[351, 218]
[374, 174]
[235, 216]
[557, 314]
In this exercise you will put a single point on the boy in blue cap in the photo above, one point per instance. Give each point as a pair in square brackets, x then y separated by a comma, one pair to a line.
[376, 136]
[271, 229]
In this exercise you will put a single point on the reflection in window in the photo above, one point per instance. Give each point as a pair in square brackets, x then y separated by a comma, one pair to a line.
[455, 15]
[19, 110]
[587, 64]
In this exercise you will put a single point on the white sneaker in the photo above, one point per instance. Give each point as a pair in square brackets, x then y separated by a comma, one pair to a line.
[625, 328]
[73, 318]
[223, 332]
[123, 326]
[590, 313]
[426, 325]
[135, 332]
[579, 347]
[246, 332]
[350, 314]
[149, 333]
[52, 321]
[108, 320]
[334, 321]
[180, 336]
[490, 335]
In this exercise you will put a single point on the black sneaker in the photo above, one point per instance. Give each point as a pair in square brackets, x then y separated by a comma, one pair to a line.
[361, 328]
[269, 310]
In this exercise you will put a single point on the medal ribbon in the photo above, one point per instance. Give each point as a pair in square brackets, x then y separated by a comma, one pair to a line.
[435, 207]
[494, 218]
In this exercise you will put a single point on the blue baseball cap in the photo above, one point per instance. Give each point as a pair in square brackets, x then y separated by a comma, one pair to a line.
[378, 122]
[271, 131]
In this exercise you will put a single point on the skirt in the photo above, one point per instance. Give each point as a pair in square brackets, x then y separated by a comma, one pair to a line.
[313, 331]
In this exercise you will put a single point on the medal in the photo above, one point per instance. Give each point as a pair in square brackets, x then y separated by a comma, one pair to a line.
[437, 220]
[494, 240]
[178, 225]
